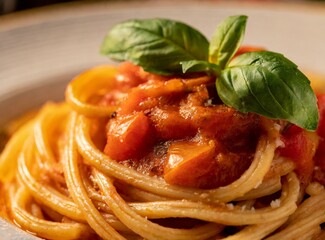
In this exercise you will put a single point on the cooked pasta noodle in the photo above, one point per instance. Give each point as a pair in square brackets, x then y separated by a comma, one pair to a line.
[59, 184]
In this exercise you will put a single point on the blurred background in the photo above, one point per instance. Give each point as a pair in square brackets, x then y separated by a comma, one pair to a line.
[45, 43]
[8, 6]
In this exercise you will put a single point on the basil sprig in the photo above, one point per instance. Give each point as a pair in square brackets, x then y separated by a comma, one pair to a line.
[263, 82]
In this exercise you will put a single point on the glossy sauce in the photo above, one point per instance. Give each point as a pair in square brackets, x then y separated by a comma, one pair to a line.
[170, 128]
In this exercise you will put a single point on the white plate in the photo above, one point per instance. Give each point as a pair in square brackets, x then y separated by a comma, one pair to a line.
[42, 50]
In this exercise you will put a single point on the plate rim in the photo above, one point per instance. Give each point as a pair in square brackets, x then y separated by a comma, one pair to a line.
[60, 12]
[80, 9]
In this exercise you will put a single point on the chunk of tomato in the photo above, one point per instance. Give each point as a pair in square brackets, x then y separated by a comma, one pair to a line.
[320, 154]
[128, 76]
[129, 137]
[203, 165]
[237, 132]
[147, 96]
[300, 146]
[188, 163]
[133, 102]
[169, 124]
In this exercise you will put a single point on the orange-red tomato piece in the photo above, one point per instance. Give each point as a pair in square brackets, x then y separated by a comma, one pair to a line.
[203, 165]
[237, 132]
[169, 124]
[320, 154]
[133, 101]
[129, 137]
[188, 163]
[300, 146]
[128, 76]
[147, 96]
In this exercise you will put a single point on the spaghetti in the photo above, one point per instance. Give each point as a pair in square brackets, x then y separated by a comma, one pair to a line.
[59, 184]
[179, 144]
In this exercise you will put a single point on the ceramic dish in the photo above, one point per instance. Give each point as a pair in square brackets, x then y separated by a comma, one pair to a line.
[41, 50]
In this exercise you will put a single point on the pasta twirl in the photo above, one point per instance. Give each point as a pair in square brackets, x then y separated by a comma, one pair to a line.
[132, 154]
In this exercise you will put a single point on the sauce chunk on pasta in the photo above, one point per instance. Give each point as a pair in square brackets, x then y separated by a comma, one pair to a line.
[167, 127]
[171, 129]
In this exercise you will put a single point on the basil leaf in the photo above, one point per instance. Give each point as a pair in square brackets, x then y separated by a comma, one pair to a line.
[263, 58]
[157, 45]
[268, 84]
[200, 66]
[297, 85]
[227, 39]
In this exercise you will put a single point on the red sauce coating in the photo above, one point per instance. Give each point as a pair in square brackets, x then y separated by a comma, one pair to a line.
[170, 129]
[177, 129]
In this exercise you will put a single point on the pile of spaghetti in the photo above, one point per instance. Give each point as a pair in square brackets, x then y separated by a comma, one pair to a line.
[137, 155]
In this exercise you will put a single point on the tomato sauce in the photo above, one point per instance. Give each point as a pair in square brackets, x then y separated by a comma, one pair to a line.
[177, 129]
[168, 127]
